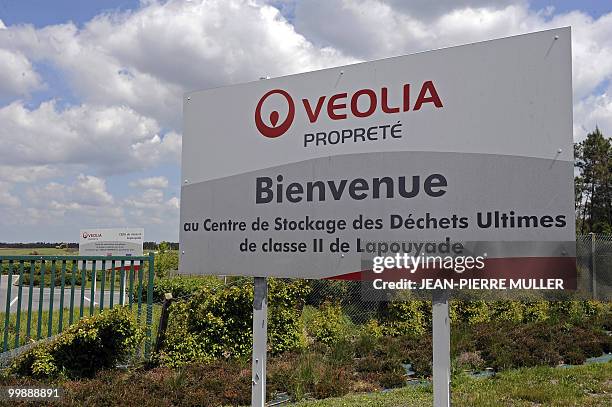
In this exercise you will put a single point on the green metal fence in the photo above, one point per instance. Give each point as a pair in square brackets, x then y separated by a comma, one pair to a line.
[38, 292]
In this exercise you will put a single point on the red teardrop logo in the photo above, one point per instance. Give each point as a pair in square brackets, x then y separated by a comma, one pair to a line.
[274, 118]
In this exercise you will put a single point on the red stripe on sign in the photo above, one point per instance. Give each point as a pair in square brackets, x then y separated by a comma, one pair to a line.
[509, 267]
[127, 268]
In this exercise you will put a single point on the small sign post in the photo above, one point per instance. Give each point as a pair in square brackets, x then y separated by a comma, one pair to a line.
[441, 349]
[260, 341]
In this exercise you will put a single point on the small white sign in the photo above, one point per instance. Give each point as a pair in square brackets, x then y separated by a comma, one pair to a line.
[111, 242]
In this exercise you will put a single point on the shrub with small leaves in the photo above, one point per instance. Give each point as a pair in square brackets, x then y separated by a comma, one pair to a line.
[404, 318]
[217, 322]
[471, 312]
[92, 344]
[328, 324]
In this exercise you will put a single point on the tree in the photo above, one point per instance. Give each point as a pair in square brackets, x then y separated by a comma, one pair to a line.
[593, 189]
[166, 260]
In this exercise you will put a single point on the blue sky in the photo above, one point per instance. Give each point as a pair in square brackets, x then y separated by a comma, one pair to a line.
[90, 91]
[41, 13]
[595, 8]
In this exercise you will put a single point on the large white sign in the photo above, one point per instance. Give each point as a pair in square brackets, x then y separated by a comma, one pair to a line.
[300, 176]
[111, 242]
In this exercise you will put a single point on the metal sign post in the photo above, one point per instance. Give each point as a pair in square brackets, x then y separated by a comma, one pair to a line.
[441, 349]
[260, 341]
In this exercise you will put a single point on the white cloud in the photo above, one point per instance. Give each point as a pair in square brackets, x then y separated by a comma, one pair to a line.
[152, 183]
[148, 58]
[83, 203]
[386, 28]
[17, 76]
[151, 206]
[109, 139]
[30, 173]
[595, 110]
[86, 202]
[7, 199]
[86, 192]
[378, 29]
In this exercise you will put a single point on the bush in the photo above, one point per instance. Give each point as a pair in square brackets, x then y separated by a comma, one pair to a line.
[308, 374]
[421, 356]
[368, 337]
[179, 286]
[536, 311]
[219, 383]
[327, 325]
[390, 380]
[223, 383]
[57, 280]
[470, 361]
[216, 323]
[78, 276]
[325, 291]
[471, 312]
[94, 343]
[505, 346]
[285, 327]
[166, 260]
[342, 351]
[404, 318]
[506, 310]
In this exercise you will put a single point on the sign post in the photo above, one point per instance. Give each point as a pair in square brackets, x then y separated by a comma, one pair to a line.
[260, 341]
[441, 349]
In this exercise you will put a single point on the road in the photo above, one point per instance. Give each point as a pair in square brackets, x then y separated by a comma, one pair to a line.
[57, 293]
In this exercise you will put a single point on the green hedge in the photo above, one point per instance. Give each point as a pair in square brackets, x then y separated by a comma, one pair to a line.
[68, 279]
[166, 261]
[57, 279]
[477, 311]
[328, 324]
[179, 286]
[217, 322]
[92, 344]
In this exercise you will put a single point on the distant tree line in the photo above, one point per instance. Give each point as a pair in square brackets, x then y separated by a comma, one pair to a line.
[593, 183]
[38, 245]
[67, 245]
[164, 244]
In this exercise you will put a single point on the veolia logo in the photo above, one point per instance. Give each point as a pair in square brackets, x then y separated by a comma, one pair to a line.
[277, 129]
[86, 235]
[359, 104]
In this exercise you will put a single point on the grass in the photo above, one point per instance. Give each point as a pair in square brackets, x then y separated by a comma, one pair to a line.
[216, 384]
[587, 385]
[23, 339]
[68, 279]
[45, 251]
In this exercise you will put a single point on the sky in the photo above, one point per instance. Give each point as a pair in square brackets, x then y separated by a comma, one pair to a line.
[91, 91]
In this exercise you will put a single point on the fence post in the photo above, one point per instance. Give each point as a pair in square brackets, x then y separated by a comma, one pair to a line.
[163, 322]
[7, 314]
[19, 299]
[149, 303]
